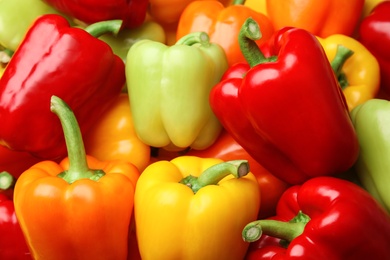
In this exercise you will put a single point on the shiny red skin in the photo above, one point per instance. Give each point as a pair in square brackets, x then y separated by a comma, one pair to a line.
[374, 34]
[55, 59]
[12, 242]
[132, 12]
[346, 223]
[289, 115]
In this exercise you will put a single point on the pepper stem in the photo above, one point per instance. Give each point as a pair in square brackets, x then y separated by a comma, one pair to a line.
[99, 28]
[342, 55]
[216, 173]
[78, 166]
[249, 33]
[6, 180]
[275, 228]
[194, 38]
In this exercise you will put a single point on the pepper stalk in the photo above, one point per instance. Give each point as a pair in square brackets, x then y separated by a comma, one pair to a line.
[78, 167]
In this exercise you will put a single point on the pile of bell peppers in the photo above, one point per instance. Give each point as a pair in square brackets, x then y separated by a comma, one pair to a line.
[194, 129]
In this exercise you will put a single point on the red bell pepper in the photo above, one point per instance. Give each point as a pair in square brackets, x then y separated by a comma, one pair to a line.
[15, 162]
[12, 242]
[374, 34]
[132, 12]
[324, 218]
[227, 149]
[55, 59]
[288, 111]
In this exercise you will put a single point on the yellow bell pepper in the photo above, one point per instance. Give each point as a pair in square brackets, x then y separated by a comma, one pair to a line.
[358, 74]
[113, 137]
[257, 5]
[194, 208]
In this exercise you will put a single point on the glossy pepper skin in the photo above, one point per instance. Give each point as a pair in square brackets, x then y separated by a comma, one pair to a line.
[372, 124]
[168, 87]
[12, 242]
[374, 34]
[222, 24]
[168, 12]
[359, 74]
[295, 129]
[132, 12]
[113, 137]
[175, 222]
[68, 62]
[337, 219]
[271, 188]
[87, 203]
[322, 18]
[16, 16]
[15, 162]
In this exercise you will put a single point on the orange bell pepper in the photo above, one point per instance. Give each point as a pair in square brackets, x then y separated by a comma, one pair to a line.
[80, 208]
[322, 18]
[169, 11]
[271, 188]
[113, 137]
[222, 24]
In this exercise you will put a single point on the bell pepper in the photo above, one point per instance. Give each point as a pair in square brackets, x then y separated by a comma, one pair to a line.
[113, 137]
[122, 42]
[132, 12]
[16, 17]
[168, 12]
[227, 149]
[257, 5]
[371, 121]
[369, 5]
[322, 18]
[15, 162]
[374, 34]
[168, 89]
[87, 203]
[67, 62]
[222, 24]
[12, 242]
[296, 131]
[324, 218]
[194, 208]
[356, 68]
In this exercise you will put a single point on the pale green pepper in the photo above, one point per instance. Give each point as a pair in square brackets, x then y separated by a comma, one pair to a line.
[122, 42]
[169, 89]
[372, 123]
[16, 16]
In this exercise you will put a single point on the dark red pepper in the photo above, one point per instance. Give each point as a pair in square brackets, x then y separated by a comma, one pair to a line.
[374, 34]
[55, 59]
[324, 218]
[13, 245]
[15, 162]
[287, 111]
[132, 12]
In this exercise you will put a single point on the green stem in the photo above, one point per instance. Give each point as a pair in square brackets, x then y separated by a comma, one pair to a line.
[342, 55]
[104, 27]
[6, 180]
[275, 228]
[78, 166]
[216, 173]
[238, 2]
[249, 33]
[194, 38]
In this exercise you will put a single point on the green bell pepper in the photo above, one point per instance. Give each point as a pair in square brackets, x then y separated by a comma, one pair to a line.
[169, 90]
[16, 16]
[122, 42]
[372, 123]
